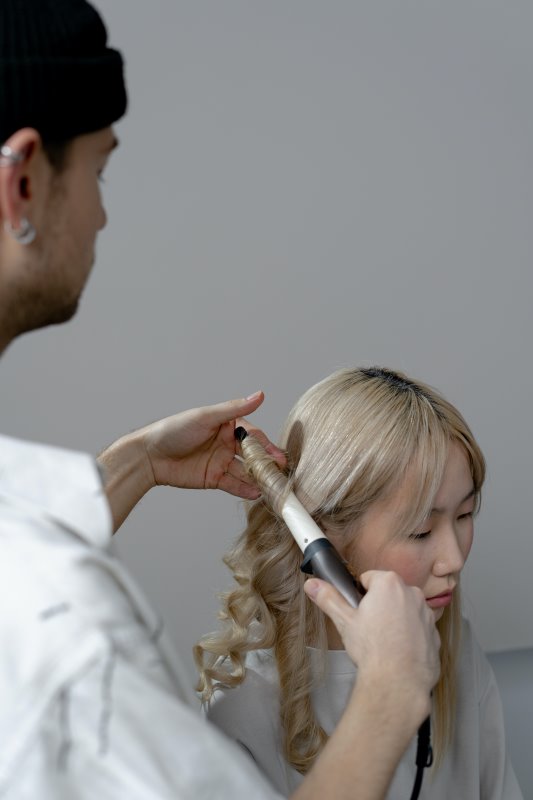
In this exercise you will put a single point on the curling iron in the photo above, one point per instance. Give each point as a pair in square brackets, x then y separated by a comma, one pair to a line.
[319, 556]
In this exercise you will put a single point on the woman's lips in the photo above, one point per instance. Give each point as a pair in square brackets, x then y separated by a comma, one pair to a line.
[440, 600]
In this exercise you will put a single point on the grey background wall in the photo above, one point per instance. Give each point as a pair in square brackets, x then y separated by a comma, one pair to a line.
[300, 186]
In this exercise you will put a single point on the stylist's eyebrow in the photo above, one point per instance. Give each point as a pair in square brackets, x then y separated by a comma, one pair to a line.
[470, 494]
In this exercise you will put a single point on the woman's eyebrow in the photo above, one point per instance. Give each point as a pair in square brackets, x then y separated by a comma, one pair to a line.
[470, 494]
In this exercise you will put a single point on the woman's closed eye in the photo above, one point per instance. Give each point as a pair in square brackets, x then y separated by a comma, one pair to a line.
[424, 534]
[421, 535]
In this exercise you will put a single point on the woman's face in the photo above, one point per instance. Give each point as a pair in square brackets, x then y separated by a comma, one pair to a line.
[433, 556]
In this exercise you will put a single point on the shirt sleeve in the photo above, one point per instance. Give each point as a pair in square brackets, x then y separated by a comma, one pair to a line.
[114, 733]
[93, 705]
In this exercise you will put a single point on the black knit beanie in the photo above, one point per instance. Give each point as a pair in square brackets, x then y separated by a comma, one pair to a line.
[56, 72]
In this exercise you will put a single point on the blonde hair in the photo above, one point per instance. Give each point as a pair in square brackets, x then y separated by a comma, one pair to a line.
[350, 441]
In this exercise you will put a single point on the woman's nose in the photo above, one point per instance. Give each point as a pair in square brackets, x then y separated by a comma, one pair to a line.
[450, 555]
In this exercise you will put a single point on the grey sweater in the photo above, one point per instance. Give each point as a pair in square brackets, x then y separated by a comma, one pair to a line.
[476, 766]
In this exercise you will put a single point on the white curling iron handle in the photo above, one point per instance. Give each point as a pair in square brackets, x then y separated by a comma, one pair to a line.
[302, 526]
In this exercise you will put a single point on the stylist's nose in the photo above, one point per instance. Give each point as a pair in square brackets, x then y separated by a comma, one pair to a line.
[103, 218]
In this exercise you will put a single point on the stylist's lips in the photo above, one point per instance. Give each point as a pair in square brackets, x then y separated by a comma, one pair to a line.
[440, 600]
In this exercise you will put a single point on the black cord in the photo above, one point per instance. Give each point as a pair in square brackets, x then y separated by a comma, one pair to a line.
[424, 755]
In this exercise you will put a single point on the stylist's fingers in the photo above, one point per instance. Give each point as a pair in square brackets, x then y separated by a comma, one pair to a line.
[235, 481]
[406, 624]
[229, 410]
[389, 585]
[331, 602]
[409, 599]
[376, 577]
[278, 455]
[233, 411]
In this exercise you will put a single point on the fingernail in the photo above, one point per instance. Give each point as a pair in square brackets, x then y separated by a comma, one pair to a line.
[311, 588]
[253, 396]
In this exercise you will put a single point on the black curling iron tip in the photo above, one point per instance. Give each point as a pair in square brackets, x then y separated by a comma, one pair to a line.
[240, 433]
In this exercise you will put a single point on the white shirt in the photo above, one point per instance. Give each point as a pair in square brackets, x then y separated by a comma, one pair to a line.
[94, 703]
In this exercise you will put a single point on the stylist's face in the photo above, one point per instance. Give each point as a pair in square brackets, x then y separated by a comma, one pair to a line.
[74, 216]
[433, 556]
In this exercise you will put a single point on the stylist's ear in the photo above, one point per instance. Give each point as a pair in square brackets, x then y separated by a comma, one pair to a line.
[24, 178]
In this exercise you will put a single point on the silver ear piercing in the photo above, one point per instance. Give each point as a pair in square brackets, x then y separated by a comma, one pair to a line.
[24, 234]
[9, 156]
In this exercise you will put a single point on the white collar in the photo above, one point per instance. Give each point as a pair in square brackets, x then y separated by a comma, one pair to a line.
[61, 484]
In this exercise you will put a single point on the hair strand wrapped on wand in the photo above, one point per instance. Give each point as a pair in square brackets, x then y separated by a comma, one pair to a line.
[320, 557]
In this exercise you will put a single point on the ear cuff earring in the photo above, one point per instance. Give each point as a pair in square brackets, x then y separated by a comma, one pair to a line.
[25, 233]
[9, 156]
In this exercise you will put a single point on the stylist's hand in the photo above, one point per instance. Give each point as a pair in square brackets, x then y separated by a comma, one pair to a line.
[193, 450]
[196, 449]
[391, 637]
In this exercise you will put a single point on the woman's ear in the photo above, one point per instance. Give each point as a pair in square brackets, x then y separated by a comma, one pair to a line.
[21, 175]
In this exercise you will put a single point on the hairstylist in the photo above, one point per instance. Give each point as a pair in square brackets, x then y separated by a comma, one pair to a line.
[94, 704]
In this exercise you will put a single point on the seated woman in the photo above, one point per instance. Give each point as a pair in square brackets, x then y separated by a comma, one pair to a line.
[392, 474]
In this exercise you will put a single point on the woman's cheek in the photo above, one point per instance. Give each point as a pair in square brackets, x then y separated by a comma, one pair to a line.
[409, 565]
